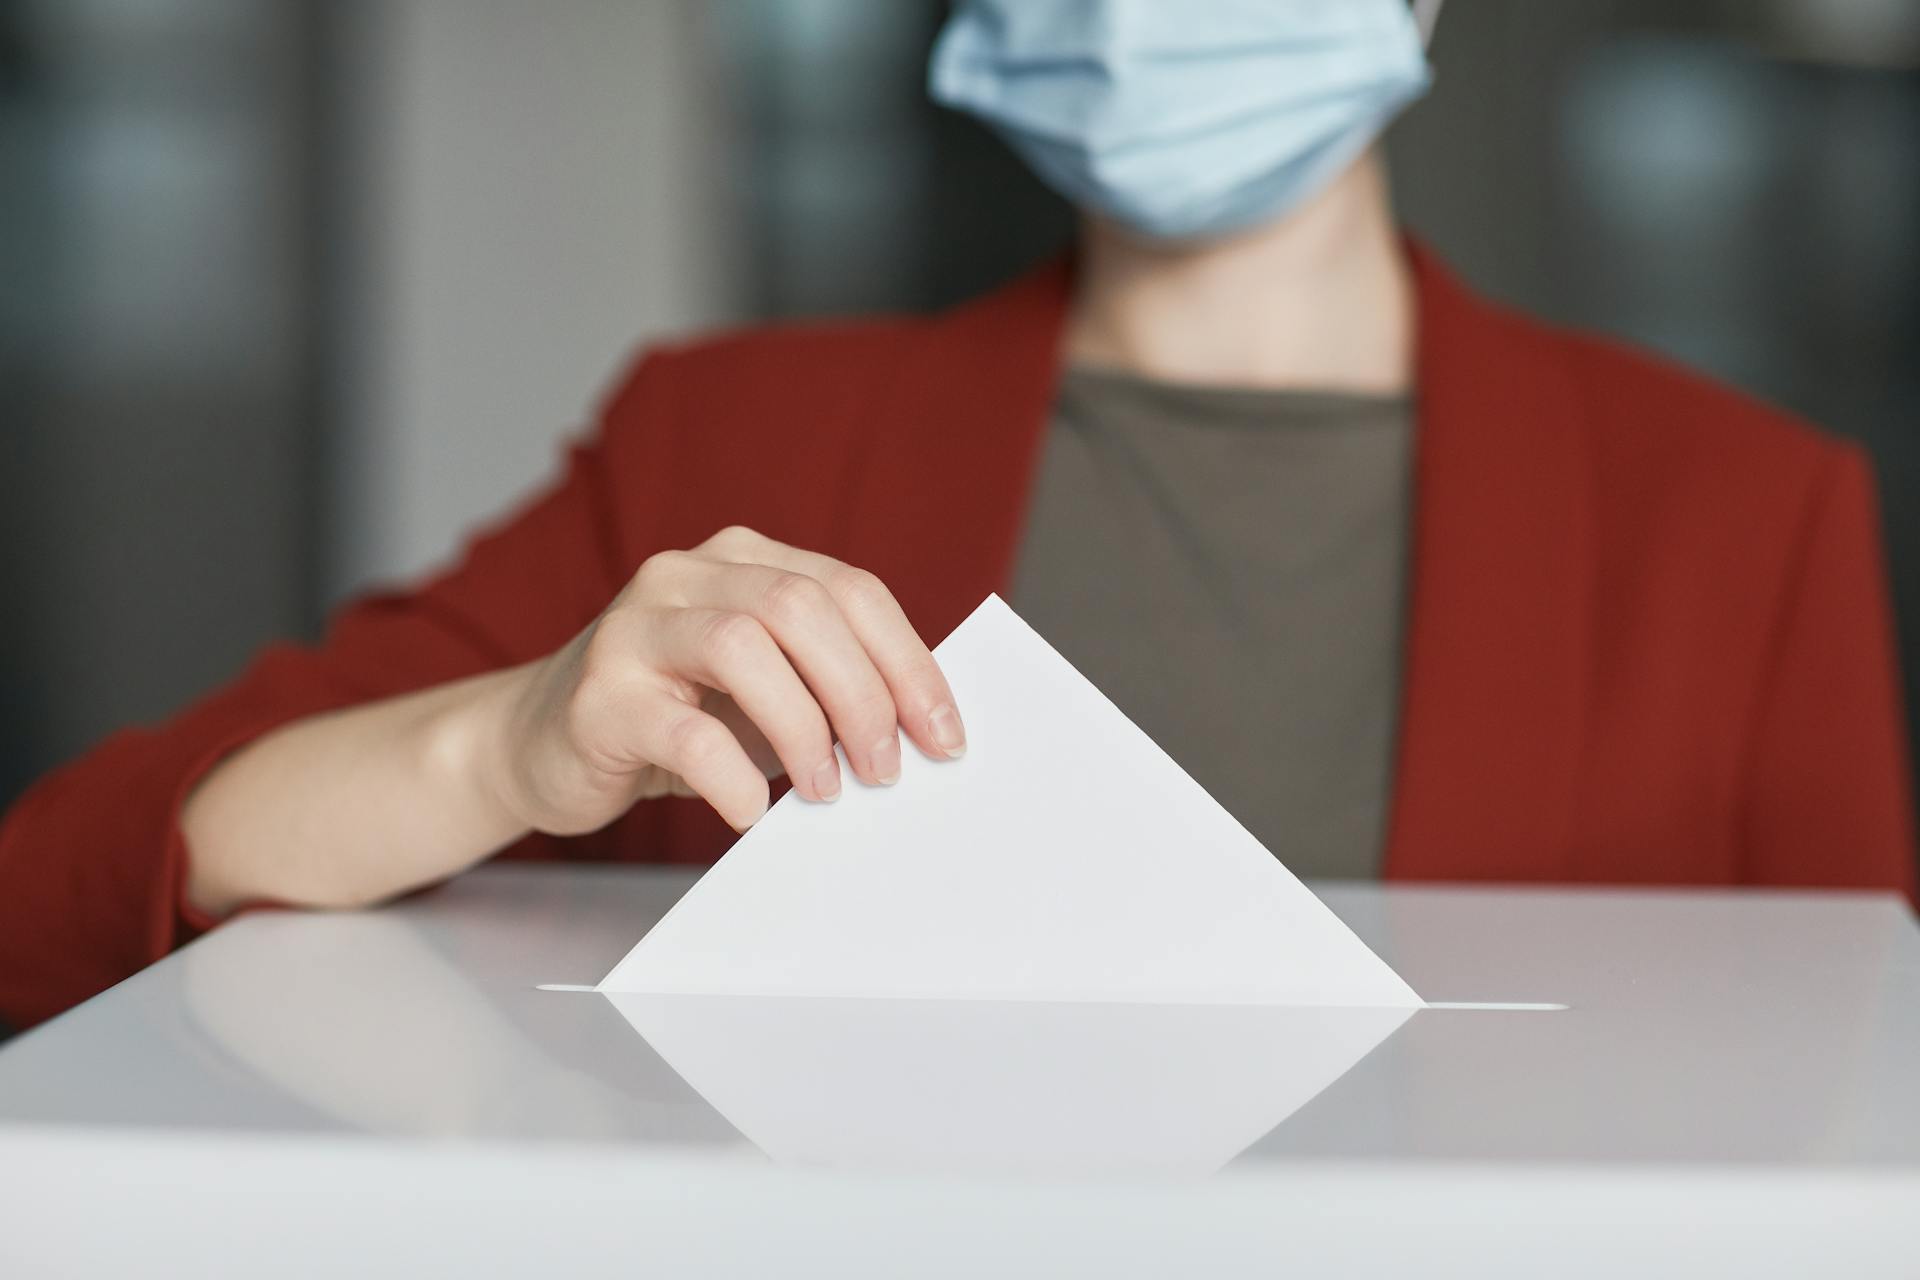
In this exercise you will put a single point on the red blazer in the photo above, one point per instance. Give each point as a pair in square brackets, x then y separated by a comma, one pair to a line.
[1649, 639]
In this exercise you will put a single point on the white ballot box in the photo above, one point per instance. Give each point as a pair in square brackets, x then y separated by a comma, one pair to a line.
[1731, 1087]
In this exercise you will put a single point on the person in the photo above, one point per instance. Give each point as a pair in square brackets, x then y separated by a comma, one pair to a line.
[1416, 586]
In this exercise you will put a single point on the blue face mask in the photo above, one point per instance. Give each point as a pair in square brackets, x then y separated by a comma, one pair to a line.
[1183, 119]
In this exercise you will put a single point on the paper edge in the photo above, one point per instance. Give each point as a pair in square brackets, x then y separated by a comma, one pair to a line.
[994, 602]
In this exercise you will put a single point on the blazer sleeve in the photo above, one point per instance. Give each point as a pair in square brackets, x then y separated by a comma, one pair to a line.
[1828, 791]
[92, 858]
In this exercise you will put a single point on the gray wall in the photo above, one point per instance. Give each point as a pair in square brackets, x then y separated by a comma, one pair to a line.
[155, 447]
[534, 192]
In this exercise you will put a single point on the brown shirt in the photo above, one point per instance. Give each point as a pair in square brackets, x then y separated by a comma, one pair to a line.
[1228, 565]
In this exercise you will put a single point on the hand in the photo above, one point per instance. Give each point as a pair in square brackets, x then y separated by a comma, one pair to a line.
[714, 670]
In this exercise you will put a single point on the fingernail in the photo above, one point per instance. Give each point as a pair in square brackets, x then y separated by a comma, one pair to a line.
[885, 760]
[944, 727]
[826, 781]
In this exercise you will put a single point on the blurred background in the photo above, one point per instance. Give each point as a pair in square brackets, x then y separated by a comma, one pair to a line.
[294, 291]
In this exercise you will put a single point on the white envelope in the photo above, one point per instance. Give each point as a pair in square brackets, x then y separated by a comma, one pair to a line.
[1065, 858]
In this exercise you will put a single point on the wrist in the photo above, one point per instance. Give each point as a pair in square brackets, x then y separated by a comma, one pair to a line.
[470, 752]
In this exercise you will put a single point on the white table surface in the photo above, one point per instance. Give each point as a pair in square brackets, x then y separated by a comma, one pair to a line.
[1733, 1088]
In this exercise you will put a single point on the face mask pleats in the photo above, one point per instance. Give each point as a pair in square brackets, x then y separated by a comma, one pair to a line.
[1185, 120]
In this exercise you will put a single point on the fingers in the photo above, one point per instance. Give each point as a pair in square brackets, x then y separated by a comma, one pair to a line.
[732, 652]
[926, 705]
[804, 648]
[923, 704]
[800, 618]
[691, 744]
[807, 649]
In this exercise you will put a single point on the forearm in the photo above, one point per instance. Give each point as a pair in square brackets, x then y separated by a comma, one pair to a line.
[351, 807]
[713, 670]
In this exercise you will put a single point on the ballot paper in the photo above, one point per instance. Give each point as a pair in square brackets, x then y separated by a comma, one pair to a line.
[1064, 858]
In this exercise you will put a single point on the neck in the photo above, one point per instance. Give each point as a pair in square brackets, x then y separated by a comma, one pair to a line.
[1322, 299]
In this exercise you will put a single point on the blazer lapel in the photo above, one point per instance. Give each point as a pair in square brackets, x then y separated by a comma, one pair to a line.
[1497, 667]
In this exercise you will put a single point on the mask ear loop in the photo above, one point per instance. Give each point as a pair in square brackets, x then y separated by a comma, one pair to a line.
[1425, 14]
